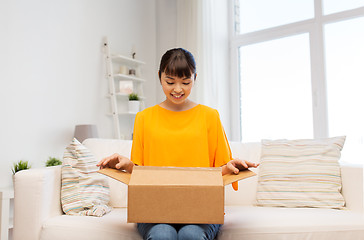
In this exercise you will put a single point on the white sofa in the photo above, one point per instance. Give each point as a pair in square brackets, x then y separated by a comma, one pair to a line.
[38, 214]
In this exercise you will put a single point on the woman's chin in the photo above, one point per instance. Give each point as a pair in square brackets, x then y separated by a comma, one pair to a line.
[177, 100]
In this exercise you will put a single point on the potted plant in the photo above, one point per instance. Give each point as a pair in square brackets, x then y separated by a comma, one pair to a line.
[134, 103]
[21, 165]
[52, 161]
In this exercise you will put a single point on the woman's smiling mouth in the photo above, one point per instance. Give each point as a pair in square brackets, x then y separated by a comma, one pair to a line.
[177, 96]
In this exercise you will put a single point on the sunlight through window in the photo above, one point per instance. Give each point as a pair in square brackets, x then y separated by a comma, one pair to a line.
[276, 100]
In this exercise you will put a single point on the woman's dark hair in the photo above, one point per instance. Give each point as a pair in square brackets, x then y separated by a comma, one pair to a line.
[178, 62]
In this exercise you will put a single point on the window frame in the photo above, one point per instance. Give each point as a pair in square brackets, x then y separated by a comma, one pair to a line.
[314, 28]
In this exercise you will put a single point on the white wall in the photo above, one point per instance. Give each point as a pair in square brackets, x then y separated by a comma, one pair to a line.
[52, 74]
[166, 17]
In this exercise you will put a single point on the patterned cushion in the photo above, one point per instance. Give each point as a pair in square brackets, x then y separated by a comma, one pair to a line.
[84, 191]
[301, 173]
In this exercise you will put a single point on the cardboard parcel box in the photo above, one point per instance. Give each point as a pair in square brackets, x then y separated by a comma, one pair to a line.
[175, 195]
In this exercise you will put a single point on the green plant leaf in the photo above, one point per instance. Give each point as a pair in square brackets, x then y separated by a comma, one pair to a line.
[52, 161]
[21, 165]
[133, 97]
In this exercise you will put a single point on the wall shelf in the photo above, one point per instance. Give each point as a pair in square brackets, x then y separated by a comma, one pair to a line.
[126, 83]
[123, 59]
[121, 77]
[124, 95]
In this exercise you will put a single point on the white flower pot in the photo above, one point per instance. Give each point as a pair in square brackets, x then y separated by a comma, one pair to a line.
[134, 106]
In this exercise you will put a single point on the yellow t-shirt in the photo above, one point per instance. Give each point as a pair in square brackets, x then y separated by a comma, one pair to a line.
[191, 138]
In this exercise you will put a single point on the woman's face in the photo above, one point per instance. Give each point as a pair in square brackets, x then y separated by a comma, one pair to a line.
[177, 89]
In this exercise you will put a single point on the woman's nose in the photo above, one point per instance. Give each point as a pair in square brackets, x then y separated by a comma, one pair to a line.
[178, 89]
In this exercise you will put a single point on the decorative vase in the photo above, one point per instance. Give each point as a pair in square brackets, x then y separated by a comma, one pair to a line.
[134, 106]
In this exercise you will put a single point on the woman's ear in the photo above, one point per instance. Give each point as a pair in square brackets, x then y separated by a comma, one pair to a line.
[195, 76]
[159, 75]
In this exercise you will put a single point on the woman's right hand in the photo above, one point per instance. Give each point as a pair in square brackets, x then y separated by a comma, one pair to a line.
[118, 162]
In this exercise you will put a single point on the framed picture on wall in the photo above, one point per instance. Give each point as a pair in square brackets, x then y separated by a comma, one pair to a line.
[126, 87]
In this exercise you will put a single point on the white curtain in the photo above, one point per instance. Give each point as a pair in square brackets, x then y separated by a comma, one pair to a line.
[202, 28]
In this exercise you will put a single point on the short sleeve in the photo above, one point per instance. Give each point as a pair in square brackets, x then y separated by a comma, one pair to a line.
[137, 150]
[223, 152]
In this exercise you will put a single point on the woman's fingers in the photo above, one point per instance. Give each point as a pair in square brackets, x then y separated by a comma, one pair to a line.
[236, 165]
[255, 164]
[102, 162]
[246, 164]
[108, 161]
[243, 163]
[232, 167]
[118, 166]
[251, 164]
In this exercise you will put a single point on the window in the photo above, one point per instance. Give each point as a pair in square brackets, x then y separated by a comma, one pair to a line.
[297, 70]
[261, 14]
[345, 84]
[266, 83]
[334, 6]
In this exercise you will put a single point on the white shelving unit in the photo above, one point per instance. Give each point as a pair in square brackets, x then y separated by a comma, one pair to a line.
[119, 100]
[6, 216]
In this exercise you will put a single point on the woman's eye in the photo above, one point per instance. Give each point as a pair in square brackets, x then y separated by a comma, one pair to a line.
[169, 83]
[186, 83]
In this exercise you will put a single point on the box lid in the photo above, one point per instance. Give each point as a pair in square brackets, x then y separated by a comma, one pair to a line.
[116, 174]
[230, 178]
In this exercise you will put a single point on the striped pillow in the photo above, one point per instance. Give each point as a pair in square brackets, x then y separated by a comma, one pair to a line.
[84, 192]
[301, 173]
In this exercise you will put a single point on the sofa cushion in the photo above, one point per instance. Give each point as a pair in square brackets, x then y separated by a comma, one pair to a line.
[241, 222]
[83, 191]
[247, 187]
[272, 223]
[247, 151]
[112, 226]
[301, 173]
[102, 148]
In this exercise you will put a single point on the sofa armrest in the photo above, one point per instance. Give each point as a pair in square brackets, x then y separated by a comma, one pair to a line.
[36, 198]
[352, 186]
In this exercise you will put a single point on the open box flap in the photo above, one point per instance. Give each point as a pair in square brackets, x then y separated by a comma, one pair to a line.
[121, 176]
[175, 176]
[230, 178]
[125, 177]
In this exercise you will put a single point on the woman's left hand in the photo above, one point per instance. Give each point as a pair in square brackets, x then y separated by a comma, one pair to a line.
[235, 165]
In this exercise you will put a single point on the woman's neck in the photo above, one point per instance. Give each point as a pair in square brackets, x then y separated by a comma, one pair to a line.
[177, 107]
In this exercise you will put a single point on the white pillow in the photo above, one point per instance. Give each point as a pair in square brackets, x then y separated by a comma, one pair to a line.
[84, 191]
[301, 173]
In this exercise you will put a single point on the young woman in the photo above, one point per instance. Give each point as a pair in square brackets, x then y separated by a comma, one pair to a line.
[181, 133]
